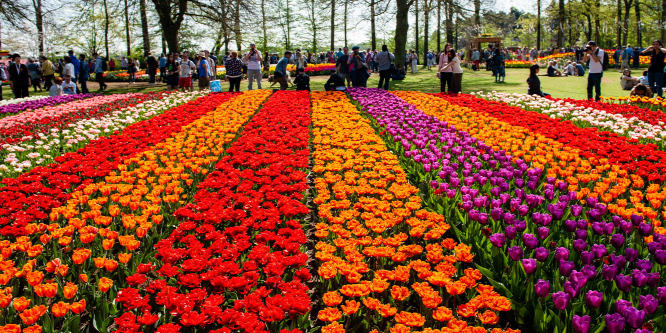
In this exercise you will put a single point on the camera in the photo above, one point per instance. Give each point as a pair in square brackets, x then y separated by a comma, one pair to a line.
[588, 48]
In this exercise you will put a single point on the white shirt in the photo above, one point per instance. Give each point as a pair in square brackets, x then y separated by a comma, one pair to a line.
[455, 64]
[597, 67]
[69, 88]
[123, 63]
[443, 60]
[186, 69]
[253, 62]
[68, 70]
[56, 90]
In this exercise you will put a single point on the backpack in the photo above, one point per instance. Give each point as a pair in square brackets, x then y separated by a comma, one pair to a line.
[105, 67]
[605, 62]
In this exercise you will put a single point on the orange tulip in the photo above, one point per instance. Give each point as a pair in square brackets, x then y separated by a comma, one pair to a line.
[32, 329]
[60, 309]
[83, 278]
[350, 307]
[105, 284]
[31, 316]
[80, 255]
[124, 257]
[48, 290]
[110, 265]
[78, 307]
[21, 303]
[34, 278]
[69, 290]
[489, 318]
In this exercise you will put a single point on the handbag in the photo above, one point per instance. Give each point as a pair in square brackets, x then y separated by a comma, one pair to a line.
[215, 86]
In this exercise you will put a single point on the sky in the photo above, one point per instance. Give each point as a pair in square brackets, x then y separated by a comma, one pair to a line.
[524, 5]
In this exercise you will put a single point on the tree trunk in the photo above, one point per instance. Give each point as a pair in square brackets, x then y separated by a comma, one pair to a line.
[144, 30]
[106, 28]
[449, 22]
[164, 44]
[401, 30]
[127, 29]
[663, 19]
[426, 13]
[538, 41]
[416, 30]
[589, 27]
[263, 25]
[597, 23]
[345, 19]
[333, 25]
[561, 17]
[170, 21]
[439, 22]
[237, 27]
[618, 21]
[39, 23]
[477, 13]
[639, 30]
[313, 16]
[625, 26]
[373, 36]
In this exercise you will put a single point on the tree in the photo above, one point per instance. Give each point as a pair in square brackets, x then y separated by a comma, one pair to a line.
[560, 18]
[639, 30]
[401, 29]
[333, 25]
[171, 14]
[427, 8]
[538, 43]
[127, 28]
[376, 10]
[146, 36]
[618, 22]
[14, 13]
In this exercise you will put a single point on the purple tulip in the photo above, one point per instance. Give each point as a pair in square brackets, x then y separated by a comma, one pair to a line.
[566, 267]
[661, 295]
[639, 278]
[560, 300]
[541, 254]
[570, 225]
[614, 323]
[617, 240]
[653, 279]
[598, 228]
[543, 232]
[576, 210]
[626, 227]
[579, 245]
[623, 282]
[640, 330]
[571, 288]
[645, 229]
[634, 317]
[609, 272]
[510, 232]
[542, 288]
[516, 253]
[648, 303]
[643, 264]
[618, 261]
[530, 241]
[497, 239]
[483, 218]
[594, 298]
[581, 324]
[520, 226]
[621, 305]
[581, 234]
[636, 219]
[586, 257]
[630, 254]
[530, 266]
[599, 250]
[660, 256]
[561, 254]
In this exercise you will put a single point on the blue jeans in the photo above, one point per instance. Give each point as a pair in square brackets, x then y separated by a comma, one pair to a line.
[594, 82]
[656, 80]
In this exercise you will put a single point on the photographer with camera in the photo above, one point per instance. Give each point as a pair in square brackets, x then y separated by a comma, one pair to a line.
[358, 67]
[253, 60]
[655, 72]
[596, 57]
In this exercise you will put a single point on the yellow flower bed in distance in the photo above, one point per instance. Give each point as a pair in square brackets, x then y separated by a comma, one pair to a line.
[385, 263]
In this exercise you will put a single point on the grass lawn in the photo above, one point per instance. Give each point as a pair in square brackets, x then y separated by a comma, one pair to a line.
[426, 81]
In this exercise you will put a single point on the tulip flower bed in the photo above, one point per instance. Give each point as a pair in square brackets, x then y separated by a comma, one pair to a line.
[584, 116]
[654, 104]
[385, 263]
[31, 103]
[528, 229]
[25, 155]
[629, 111]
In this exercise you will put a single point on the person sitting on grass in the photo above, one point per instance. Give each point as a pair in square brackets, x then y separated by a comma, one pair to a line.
[552, 70]
[399, 73]
[56, 89]
[627, 82]
[335, 82]
[533, 82]
[69, 87]
[644, 79]
[302, 81]
[568, 69]
[579, 70]
[641, 90]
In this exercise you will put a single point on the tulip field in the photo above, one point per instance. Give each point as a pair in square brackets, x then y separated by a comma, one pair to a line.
[364, 211]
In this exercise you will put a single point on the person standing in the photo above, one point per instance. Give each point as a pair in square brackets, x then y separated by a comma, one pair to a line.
[384, 59]
[75, 63]
[414, 59]
[234, 68]
[253, 60]
[163, 61]
[187, 67]
[204, 79]
[445, 74]
[35, 74]
[358, 68]
[616, 57]
[3, 77]
[342, 67]
[280, 73]
[456, 80]
[152, 65]
[637, 56]
[655, 74]
[112, 65]
[627, 55]
[84, 73]
[131, 70]
[68, 69]
[123, 64]
[99, 71]
[596, 57]
[48, 71]
[173, 69]
[476, 59]
[19, 77]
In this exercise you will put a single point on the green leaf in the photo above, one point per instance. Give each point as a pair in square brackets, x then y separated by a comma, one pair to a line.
[501, 288]
[486, 272]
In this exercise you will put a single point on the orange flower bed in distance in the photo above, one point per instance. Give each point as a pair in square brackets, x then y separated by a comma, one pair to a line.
[385, 263]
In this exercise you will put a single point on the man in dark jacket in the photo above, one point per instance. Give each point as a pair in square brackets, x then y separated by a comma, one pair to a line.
[84, 73]
[19, 77]
[335, 82]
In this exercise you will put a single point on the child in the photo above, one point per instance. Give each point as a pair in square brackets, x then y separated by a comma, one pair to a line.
[56, 89]
[302, 81]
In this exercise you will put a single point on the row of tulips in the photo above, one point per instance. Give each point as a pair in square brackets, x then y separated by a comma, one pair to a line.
[30, 197]
[385, 263]
[70, 269]
[14, 106]
[584, 116]
[651, 103]
[629, 111]
[29, 124]
[528, 229]
[236, 260]
[628, 175]
[42, 149]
